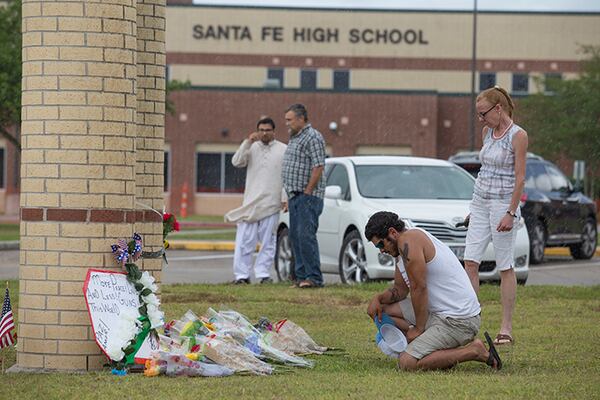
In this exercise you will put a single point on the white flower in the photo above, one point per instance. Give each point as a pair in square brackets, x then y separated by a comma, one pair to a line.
[130, 314]
[155, 316]
[114, 351]
[151, 299]
[147, 281]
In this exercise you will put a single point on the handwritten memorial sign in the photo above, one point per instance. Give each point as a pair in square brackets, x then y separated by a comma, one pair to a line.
[108, 294]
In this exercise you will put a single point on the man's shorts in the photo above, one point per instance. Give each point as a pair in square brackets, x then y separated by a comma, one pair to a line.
[444, 333]
[485, 217]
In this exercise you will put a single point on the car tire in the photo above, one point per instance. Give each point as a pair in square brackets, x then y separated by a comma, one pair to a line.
[537, 242]
[521, 282]
[284, 258]
[352, 260]
[586, 249]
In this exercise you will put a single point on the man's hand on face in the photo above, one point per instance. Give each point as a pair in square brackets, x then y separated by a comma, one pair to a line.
[412, 334]
[375, 309]
[254, 136]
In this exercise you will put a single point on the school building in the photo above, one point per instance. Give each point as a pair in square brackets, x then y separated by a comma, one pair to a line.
[375, 81]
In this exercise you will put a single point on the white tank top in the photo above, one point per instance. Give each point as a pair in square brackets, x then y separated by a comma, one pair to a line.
[449, 289]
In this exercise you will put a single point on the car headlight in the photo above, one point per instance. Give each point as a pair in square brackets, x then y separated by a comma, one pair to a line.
[385, 259]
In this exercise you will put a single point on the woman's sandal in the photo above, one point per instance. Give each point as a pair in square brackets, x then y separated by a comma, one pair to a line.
[503, 338]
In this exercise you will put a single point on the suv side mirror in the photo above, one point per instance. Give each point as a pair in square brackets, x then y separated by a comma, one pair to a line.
[578, 187]
[333, 192]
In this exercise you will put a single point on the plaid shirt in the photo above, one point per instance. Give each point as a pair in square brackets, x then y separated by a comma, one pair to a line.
[305, 151]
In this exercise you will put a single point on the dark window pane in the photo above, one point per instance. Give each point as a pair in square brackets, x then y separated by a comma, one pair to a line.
[536, 177]
[2, 168]
[551, 81]
[487, 80]
[166, 172]
[235, 178]
[341, 80]
[339, 177]
[308, 79]
[520, 83]
[558, 181]
[273, 75]
[208, 172]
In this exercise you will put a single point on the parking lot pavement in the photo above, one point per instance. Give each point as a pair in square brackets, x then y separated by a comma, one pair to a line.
[216, 267]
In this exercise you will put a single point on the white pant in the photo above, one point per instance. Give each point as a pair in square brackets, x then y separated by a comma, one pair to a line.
[246, 238]
[485, 217]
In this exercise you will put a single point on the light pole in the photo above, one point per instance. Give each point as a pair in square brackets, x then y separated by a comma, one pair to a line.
[473, 70]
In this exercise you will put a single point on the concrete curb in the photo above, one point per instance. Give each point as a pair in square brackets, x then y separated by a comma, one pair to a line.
[208, 245]
[202, 245]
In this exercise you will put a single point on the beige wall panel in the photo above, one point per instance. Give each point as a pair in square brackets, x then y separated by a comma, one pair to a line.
[383, 150]
[219, 75]
[325, 78]
[532, 37]
[443, 81]
[216, 204]
[448, 35]
[217, 147]
[503, 79]
[291, 78]
[434, 27]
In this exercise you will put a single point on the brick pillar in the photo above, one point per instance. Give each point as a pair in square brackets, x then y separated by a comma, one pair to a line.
[78, 178]
[150, 126]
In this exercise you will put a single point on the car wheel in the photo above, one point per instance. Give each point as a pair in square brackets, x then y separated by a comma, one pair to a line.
[352, 260]
[586, 249]
[284, 259]
[537, 242]
[521, 282]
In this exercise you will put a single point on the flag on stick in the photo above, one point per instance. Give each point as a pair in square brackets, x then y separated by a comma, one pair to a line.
[7, 324]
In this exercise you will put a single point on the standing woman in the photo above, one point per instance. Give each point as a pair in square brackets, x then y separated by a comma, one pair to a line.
[494, 211]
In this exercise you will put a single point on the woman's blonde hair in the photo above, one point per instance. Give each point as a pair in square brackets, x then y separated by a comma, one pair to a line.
[497, 95]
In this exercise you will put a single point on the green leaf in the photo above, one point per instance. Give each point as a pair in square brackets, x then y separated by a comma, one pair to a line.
[146, 292]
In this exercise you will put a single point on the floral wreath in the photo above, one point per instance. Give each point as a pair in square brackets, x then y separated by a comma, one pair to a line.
[135, 326]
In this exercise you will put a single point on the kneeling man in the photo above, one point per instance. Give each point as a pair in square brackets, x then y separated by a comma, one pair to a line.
[445, 306]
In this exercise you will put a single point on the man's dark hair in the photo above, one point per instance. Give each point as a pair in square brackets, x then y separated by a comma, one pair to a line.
[266, 120]
[381, 222]
[299, 110]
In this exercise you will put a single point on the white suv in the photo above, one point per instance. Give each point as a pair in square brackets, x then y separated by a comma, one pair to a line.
[427, 193]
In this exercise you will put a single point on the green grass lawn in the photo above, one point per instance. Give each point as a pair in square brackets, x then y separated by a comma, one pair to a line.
[9, 231]
[555, 354]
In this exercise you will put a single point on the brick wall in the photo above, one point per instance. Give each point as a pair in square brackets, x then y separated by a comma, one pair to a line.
[79, 171]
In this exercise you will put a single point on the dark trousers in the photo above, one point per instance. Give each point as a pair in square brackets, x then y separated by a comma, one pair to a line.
[304, 222]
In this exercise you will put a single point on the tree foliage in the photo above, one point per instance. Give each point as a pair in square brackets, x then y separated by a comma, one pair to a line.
[565, 120]
[10, 68]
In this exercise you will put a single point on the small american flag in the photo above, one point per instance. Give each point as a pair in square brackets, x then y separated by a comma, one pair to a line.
[7, 324]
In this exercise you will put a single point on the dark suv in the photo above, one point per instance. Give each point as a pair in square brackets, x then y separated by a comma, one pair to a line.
[556, 213]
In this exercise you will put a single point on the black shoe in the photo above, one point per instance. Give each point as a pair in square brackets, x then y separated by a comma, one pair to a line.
[242, 281]
[266, 280]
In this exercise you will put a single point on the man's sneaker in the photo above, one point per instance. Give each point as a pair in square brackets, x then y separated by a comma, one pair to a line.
[266, 280]
[242, 281]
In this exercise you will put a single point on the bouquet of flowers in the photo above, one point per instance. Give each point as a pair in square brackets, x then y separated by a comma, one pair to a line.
[170, 224]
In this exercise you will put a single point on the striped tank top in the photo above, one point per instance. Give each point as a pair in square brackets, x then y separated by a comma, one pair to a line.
[496, 178]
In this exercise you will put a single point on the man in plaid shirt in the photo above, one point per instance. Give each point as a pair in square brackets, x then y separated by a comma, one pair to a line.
[304, 182]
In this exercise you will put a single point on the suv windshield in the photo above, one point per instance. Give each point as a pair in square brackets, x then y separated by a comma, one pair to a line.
[413, 182]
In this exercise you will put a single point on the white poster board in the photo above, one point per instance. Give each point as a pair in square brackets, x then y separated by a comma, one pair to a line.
[107, 295]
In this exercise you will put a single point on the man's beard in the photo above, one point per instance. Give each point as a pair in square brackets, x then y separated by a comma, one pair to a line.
[395, 253]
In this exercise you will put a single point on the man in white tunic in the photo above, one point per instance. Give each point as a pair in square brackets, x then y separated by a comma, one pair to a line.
[263, 199]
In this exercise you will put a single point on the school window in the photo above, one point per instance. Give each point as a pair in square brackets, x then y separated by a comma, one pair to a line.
[274, 77]
[487, 80]
[341, 81]
[166, 171]
[216, 174]
[308, 79]
[551, 81]
[520, 83]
